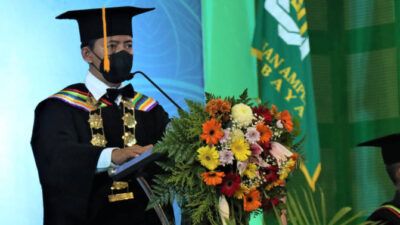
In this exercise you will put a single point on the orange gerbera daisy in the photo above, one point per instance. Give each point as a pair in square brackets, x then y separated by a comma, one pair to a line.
[252, 201]
[219, 108]
[212, 132]
[286, 119]
[212, 178]
[265, 132]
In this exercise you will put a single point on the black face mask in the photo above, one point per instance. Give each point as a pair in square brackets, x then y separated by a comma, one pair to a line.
[120, 67]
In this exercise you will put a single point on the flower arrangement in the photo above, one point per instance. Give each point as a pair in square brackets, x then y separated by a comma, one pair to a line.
[227, 160]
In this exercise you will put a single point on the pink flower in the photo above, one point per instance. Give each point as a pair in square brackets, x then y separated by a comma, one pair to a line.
[252, 135]
[280, 152]
[256, 159]
[225, 157]
[242, 167]
[225, 138]
[256, 149]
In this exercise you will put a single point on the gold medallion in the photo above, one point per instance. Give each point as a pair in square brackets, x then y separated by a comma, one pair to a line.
[129, 105]
[98, 140]
[120, 197]
[95, 121]
[129, 120]
[129, 139]
[91, 101]
[119, 185]
[120, 191]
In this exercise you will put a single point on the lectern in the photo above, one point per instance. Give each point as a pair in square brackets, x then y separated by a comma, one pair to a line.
[132, 169]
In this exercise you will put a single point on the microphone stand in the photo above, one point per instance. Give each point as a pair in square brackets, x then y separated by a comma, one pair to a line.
[158, 88]
[140, 179]
[149, 193]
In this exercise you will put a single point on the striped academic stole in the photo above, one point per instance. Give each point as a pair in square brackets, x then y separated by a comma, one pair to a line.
[142, 102]
[83, 100]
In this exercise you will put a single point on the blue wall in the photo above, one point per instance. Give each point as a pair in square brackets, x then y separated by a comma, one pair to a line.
[40, 55]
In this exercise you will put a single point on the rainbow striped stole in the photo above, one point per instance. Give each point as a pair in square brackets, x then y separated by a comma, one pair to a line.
[393, 209]
[78, 99]
[143, 103]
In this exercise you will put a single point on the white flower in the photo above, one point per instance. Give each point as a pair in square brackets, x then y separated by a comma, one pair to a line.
[279, 124]
[280, 152]
[242, 114]
[223, 209]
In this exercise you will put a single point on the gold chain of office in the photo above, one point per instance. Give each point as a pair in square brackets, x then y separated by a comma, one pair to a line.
[129, 139]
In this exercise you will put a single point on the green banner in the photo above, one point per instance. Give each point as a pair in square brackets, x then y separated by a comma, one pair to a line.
[281, 45]
[228, 28]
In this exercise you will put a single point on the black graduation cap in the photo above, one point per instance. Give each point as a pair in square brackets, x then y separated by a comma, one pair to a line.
[90, 21]
[103, 22]
[390, 146]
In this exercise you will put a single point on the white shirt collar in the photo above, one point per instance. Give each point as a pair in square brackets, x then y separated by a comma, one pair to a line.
[97, 87]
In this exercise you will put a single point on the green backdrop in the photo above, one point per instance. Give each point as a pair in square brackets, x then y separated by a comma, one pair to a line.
[355, 64]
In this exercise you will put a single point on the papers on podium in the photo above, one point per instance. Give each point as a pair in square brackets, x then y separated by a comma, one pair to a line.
[132, 166]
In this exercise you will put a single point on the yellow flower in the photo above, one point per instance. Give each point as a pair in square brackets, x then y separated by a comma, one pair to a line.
[240, 149]
[291, 164]
[236, 134]
[251, 170]
[208, 157]
[285, 171]
[284, 174]
[242, 114]
[239, 193]
[275, 184]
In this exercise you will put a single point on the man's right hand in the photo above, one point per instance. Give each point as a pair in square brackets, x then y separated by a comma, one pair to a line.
[121, 155]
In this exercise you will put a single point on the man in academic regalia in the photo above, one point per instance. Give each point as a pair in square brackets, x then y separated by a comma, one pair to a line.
[389, 212]
[86, 129]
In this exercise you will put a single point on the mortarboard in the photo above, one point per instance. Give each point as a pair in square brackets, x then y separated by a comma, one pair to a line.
[390, 147]
[95, 24]
[90, 21]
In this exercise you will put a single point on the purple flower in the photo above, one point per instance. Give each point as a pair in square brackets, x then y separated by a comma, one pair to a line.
[252, 135]
[225, 157]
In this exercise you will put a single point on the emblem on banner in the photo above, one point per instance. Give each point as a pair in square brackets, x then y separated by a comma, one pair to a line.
[288, 28]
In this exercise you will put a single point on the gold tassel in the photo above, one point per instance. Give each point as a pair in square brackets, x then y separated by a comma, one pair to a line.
[106, 62]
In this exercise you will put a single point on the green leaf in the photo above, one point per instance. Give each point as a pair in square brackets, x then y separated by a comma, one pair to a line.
[310, 200]
[339, 215]
[303, 208]
[353, 218]
[323, 206]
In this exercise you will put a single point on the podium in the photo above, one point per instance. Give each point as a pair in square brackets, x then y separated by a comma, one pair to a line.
[132, 168]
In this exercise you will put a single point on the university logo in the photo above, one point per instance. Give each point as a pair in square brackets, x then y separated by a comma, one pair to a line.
[288, 29]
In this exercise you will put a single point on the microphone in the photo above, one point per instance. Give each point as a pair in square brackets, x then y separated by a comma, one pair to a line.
[158, 88]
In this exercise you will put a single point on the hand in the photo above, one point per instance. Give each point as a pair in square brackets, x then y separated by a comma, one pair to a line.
[121, 155]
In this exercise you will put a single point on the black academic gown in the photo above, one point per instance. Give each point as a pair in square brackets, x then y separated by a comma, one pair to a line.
[73, 192]
[385, 215]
